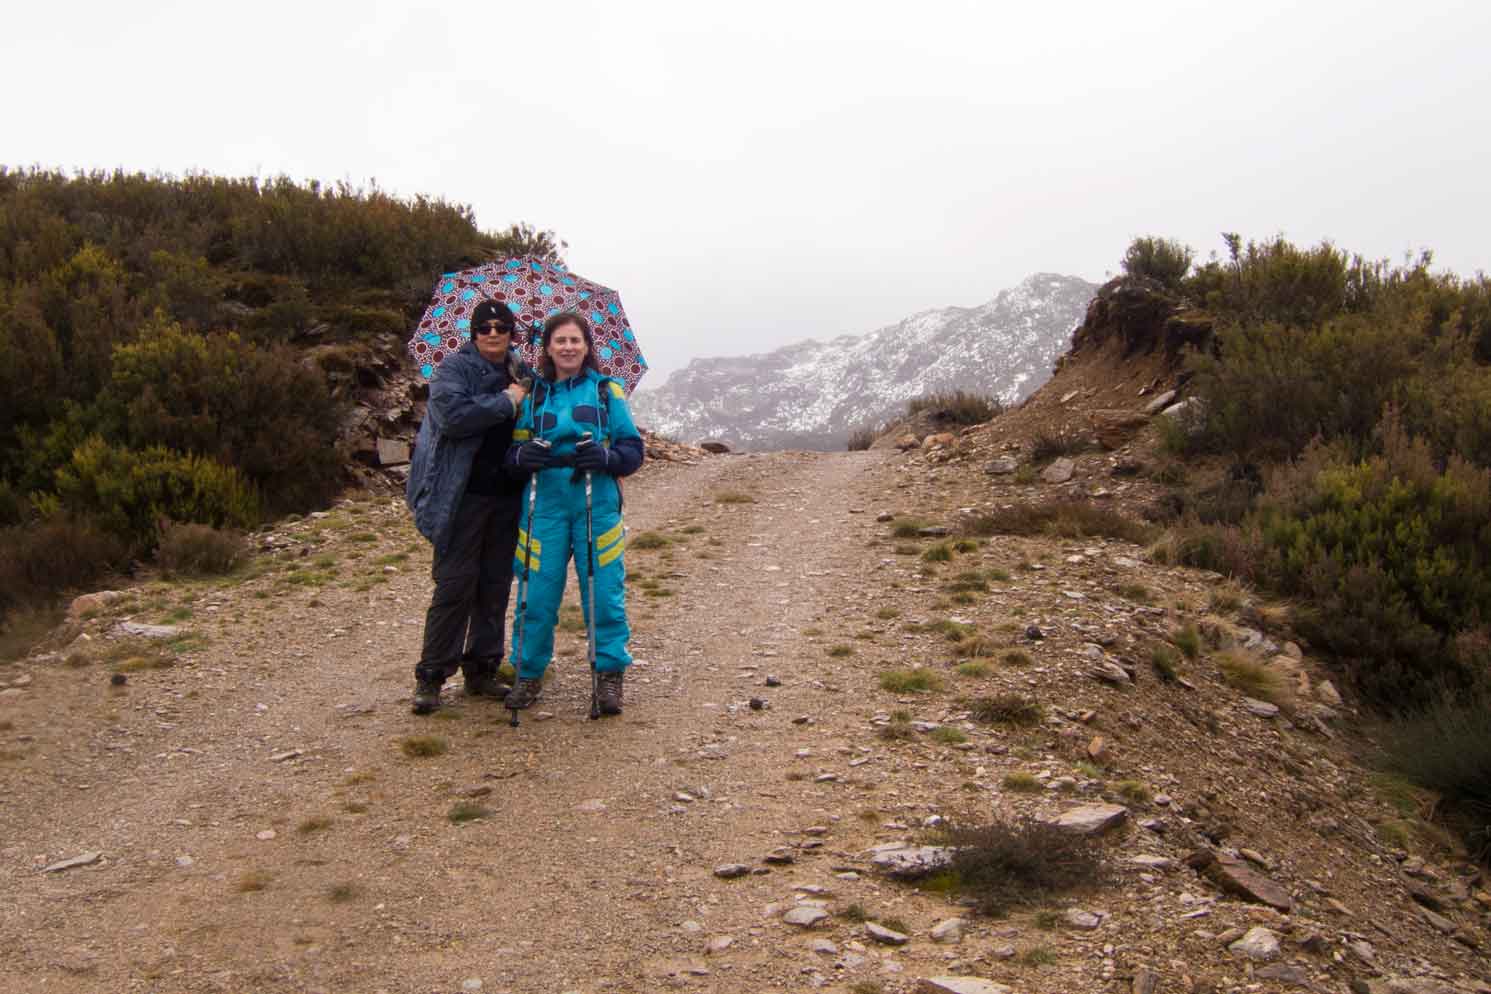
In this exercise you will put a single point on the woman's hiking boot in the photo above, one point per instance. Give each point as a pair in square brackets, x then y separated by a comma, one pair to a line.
[610, 691]
[426, 696]
[524, 693]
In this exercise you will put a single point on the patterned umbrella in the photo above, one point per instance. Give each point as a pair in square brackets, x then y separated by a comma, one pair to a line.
[534, 290]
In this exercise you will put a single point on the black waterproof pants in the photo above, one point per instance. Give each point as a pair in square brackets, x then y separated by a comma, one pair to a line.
[473, 580]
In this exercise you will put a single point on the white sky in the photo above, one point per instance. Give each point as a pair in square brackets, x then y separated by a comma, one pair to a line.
[754, 174]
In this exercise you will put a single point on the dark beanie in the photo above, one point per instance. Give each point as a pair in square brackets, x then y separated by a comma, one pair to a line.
[493, 310]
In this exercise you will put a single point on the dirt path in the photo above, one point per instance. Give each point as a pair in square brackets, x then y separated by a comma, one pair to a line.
[594, 869]
[257, 825]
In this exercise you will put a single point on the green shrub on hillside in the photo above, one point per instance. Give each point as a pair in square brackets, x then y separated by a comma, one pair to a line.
[861, 439]
[1446, 747]
[1389, 556]
[44, 558]
[128, 492]
[257, 409]
[957, 406]
[1162, 259]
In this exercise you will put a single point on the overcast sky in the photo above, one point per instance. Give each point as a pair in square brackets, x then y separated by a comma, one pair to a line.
[748, 175]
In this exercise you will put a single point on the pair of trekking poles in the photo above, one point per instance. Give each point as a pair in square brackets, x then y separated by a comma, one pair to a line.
[523, 584]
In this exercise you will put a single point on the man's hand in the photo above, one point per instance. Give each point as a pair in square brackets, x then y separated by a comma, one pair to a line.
[516, 392]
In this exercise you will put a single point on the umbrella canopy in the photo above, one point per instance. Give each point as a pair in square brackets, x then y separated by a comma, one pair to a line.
[534, 290]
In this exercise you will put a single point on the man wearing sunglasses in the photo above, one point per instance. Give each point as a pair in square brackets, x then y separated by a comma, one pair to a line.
[467, 506]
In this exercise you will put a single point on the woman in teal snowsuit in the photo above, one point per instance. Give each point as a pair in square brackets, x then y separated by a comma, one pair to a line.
[571, 401]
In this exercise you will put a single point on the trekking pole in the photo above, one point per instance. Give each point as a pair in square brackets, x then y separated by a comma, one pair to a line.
[595, 688]
[523, 585]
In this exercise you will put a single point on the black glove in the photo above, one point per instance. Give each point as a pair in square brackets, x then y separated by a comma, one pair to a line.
[592, 458]
[535, 455]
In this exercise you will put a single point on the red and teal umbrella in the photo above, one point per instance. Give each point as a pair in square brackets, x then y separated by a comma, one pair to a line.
[534, 290]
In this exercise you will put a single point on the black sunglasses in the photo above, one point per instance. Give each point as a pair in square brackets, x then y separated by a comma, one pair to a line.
[492, 328]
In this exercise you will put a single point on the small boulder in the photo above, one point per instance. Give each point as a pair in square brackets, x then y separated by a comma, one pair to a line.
[805, 916]
[904, 861]
[886, 936]
[1059, 471]
[949, 931]
[1002, 466]
[960, 985]
[1259, 944]
[1091, 819]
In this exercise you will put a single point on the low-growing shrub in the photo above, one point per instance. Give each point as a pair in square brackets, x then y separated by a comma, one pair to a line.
[423, 746]
[1048, 445]
[1066, 519]
[1445, 747]
[1023, 783]
[1187, 640]
[1006, 709]
[908, 527]
[648, 540]
[861, 439]
[1166, 664]
[1004, 864]
[898, 729]
[942, 552]
[1255, 679]
[199, 550]
[909, 681]
[977, 647]
[59, 553]
[956, 407]
[948, 735]
[127, 491]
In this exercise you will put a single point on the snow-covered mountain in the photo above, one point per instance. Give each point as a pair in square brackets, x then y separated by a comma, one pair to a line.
[813, 394]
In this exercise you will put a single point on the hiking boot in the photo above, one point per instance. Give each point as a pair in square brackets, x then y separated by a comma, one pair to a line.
[426, 696]
[610, 691]
[524, 693]
[485, 685]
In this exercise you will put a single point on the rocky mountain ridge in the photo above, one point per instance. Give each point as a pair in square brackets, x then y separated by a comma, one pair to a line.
[814, 394]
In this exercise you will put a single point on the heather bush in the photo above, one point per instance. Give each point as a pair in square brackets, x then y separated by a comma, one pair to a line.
[253, 408]
[199, 550]
[861, 439]
[1009, 863]
[44, 558]
[1065, 518]
[1445, 746]
[957, 407]
[128, 491]
[1161, 259]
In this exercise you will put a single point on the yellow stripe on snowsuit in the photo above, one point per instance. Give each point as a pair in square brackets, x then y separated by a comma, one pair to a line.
[610, 554]
[521, 434]
[610, 536]
[524, 550]
[613, 537]
[616, 390]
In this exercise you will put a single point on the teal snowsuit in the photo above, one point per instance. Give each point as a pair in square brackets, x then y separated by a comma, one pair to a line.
[560, 413]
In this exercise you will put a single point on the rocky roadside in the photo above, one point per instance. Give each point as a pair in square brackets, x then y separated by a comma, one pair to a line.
[746, 825]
